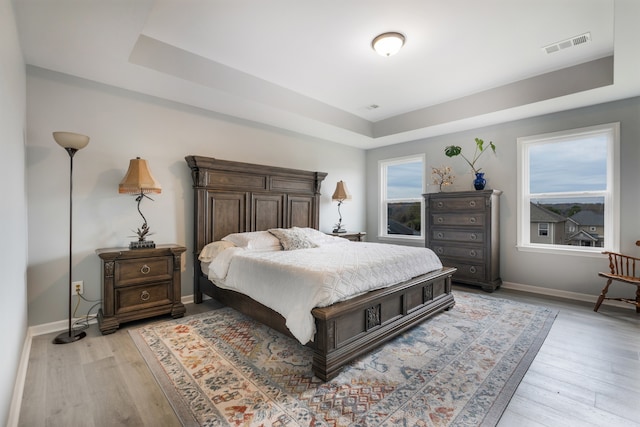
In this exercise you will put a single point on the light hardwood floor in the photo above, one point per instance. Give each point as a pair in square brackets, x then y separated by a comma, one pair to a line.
[587, 373]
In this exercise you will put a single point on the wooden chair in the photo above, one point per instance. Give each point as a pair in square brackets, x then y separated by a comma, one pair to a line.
[625, 269]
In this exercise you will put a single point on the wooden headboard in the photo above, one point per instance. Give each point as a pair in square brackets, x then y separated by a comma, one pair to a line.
[233, 197]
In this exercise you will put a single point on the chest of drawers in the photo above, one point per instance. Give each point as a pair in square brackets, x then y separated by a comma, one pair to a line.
[463, 230]
[139, 283]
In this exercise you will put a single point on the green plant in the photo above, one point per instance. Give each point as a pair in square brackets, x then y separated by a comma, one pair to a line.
[455, 150]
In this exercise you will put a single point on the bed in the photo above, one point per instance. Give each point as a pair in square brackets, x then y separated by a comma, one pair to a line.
[236, 197]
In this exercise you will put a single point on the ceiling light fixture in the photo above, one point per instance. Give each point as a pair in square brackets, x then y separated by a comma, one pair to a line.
[387, 44]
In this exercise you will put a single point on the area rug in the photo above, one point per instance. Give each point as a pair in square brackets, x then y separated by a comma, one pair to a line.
[459, 368]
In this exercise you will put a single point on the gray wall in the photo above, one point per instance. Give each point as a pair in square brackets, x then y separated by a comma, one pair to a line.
[13, 212]
[123, 125]
[563, 275]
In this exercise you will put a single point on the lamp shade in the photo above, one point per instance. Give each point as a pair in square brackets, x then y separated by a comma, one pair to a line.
[341, 192]
[72, 140]
[138, 179]
[388, 44]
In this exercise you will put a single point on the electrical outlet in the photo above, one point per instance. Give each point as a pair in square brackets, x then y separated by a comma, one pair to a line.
[77, 288]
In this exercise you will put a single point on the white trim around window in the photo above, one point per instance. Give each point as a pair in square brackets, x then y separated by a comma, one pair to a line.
[383, 166]
[610, 194]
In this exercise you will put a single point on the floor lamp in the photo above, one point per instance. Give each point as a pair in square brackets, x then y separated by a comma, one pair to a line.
[71, 142]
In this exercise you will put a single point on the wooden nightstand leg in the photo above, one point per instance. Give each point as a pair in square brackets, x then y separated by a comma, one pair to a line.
[108, 325]
[178, 310]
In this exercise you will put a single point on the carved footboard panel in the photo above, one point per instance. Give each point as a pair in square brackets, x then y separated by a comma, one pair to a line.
[351, 328]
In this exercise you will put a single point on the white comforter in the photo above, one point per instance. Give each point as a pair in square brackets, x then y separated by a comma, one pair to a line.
[294, 282]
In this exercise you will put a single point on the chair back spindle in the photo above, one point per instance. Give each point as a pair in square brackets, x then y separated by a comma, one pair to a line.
[622, 269]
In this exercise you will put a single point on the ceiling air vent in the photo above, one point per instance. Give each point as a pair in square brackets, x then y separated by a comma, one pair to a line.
[573, 41]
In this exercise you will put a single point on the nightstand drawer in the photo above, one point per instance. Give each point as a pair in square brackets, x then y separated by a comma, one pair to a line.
[142, 270]
[459, 219]
[457, 204]
[457, 235]
[138, 297]
[467, 253]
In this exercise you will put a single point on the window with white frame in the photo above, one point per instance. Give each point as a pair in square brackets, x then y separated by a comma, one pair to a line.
[543, 229]
[401, 189]
[569, 181]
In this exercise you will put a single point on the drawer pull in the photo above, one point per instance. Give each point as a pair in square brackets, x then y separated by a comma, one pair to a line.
[472, 253]
[440, 250]
[472, 203]
[440, 204]
[440, 220]
[440, 235]
[472, 270]
[473, 236]
[144, 296]
[145, 269]
[472, 220]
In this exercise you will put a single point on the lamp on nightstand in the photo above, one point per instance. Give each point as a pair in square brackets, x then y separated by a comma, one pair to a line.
[72, 142]
[340, 195]
[139, 181]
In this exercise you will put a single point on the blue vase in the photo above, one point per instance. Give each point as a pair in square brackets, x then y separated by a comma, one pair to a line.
[479, 182]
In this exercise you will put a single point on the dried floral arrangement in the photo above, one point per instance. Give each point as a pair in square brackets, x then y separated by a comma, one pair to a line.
[442, 176]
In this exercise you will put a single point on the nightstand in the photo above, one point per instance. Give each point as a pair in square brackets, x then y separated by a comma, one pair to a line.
[353, 236]
[139, 283]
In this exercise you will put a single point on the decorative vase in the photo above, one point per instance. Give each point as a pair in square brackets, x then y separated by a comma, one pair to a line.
[479, 182]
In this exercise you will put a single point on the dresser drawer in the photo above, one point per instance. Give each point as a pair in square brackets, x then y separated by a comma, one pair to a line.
[142, 270]
[457, 204]
[440, 234]
[467, 253]
[138, 297]
[471, 219]
[466, 271]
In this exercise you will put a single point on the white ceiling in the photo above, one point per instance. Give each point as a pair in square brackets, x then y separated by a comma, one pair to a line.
[308, 66]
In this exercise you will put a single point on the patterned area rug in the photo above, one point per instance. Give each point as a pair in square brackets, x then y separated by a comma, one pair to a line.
[459, 368]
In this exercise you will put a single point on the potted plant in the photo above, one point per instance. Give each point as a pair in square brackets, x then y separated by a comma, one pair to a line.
[455, 150]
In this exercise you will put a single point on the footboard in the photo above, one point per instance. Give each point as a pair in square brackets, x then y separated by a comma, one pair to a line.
[348, 329]
[351, 328]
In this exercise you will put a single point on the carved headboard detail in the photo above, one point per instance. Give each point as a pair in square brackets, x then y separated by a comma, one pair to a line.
[233, 197]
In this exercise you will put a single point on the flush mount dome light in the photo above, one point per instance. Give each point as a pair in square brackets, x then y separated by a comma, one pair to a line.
[388, 44]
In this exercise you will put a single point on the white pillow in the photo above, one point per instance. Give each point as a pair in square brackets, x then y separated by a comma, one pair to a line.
[213, 249]
[254, 240]
[320, 238]
[292, 238]
[219, 267]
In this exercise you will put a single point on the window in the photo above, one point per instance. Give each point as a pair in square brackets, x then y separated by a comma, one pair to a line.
[402, 183]
[543, 229]
[568, 184]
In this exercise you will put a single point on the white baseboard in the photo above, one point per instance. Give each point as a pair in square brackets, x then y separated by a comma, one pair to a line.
[576, 296]
[59, 326]
[21, 376]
